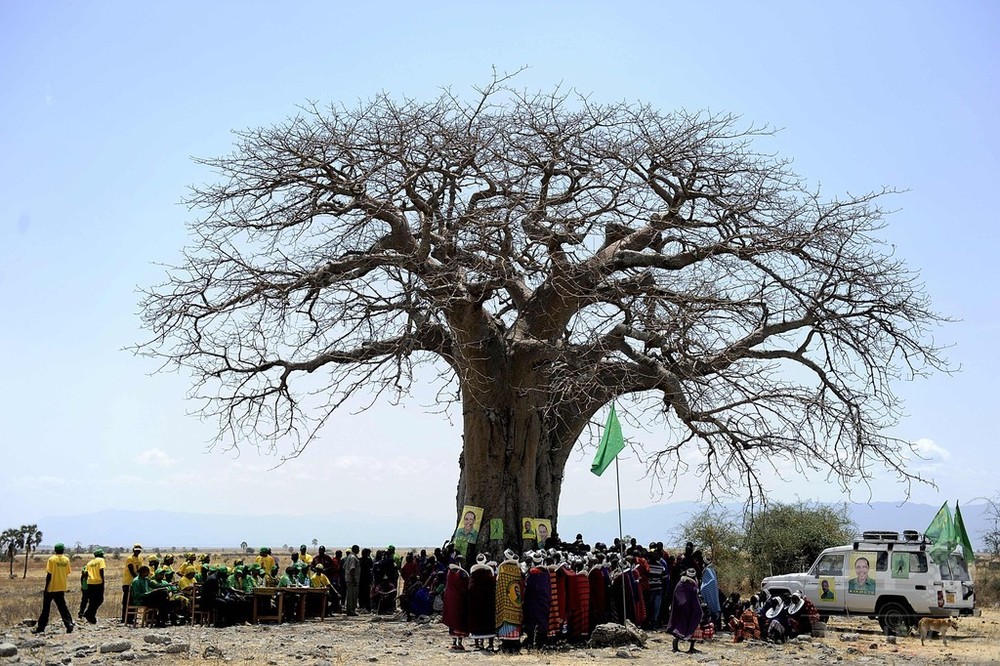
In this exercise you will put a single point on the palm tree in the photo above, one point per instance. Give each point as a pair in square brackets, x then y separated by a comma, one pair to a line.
[10, 541]
[32, 537]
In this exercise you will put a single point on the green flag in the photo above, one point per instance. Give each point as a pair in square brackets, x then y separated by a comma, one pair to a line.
[611, 444]
[963, 537]
[941, 533]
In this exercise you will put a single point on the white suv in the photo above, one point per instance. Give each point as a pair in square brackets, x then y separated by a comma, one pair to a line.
[884, 577]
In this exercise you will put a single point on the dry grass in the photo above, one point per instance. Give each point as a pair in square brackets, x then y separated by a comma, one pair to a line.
[21, 598]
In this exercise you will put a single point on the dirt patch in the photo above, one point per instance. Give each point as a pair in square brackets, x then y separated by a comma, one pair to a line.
[366, 639]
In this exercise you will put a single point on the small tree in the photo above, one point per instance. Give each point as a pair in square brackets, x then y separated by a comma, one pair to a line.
[315, 542]
[243, 545]
[32, 537]
[789, 537]
[719, 534]
[10, 542]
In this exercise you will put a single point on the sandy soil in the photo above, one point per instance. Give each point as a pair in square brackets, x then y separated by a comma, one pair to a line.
[342, 640]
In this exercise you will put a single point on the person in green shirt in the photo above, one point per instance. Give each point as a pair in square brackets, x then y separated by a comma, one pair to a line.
[288, 579]
[144, 593]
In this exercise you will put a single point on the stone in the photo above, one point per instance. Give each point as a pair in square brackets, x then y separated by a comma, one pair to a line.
[609, 635]
[637, 634]
[8, 649]
[849, 638]
[212, 652]
[156, 639]
[177, 648]
[890, 640]
[623, 654]
[127, 656]
[32, 644]
[28, 622]
[116, 646]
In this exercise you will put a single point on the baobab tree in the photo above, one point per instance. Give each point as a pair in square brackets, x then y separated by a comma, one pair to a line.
[544, 255]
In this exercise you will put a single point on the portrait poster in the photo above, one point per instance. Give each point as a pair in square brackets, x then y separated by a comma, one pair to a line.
[900, 565]
[543, 530]
[496, 529]
[468, 527]
[862, 565]
[827, 590]
[527, 528]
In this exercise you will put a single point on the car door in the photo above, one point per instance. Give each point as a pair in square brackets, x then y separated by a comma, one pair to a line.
[828, 586]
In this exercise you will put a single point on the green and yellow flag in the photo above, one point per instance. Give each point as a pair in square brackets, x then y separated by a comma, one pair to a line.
[611, 444]
[941, 534]
[963, 537]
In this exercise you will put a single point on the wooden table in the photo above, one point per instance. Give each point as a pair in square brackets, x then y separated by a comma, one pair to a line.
[301, 594]
[265, 595]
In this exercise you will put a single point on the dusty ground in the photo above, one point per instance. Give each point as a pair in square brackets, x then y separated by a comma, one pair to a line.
[342, 640]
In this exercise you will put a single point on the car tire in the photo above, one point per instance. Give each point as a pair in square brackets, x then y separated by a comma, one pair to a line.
[895, 619]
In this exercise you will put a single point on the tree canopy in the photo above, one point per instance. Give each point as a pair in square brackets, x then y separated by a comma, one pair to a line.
[546, 255]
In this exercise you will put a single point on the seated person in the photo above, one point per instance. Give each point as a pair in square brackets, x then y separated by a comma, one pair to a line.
[186, 581]
[289, 578]
[189, 565]
[176, 606]
[384, 597]
[143, 594]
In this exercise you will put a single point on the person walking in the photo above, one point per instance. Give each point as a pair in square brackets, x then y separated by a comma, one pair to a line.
[95, 585]
[352, 578]
[57, 572]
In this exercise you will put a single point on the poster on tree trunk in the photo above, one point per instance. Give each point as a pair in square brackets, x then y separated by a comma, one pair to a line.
[527, 528]
[543, 529]
[496, 529]
[468, 527]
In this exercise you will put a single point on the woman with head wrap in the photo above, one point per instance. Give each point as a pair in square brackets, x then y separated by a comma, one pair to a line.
[685, 610]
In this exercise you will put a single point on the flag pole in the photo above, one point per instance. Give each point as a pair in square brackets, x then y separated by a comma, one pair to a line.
[621, 541]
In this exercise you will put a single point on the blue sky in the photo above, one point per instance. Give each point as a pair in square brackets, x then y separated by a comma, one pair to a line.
[104, 103]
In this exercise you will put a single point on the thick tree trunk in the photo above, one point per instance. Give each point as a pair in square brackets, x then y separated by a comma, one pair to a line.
[512, 467]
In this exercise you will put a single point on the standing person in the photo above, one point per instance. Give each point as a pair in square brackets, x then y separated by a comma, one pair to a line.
[685, 610]
[352, 579]
[305, 556]
[132, 565]
[95, 585]
[83, 594]
[367, 580]
[56, 582]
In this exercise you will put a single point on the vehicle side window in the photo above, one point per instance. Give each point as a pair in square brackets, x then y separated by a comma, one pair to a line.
[882, 562]
[918, 563]
[830, 565]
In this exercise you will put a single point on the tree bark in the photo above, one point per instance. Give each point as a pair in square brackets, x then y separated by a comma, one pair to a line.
[512, 467]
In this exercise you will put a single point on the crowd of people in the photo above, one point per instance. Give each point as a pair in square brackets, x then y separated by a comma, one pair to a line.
[556, 593]
[561, 593]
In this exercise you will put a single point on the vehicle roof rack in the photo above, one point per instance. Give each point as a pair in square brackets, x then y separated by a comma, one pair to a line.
[890, 537]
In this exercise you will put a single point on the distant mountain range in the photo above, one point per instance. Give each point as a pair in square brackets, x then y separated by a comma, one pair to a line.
[660, 522]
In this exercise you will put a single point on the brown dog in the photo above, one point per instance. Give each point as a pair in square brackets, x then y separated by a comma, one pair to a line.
[938, 624]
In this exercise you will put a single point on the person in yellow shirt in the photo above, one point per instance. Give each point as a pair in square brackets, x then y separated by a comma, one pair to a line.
[95, 586]
[132, 565]
[319, 578]
[189, 565]
[265, 559]
[304, 556]
[56, 582]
